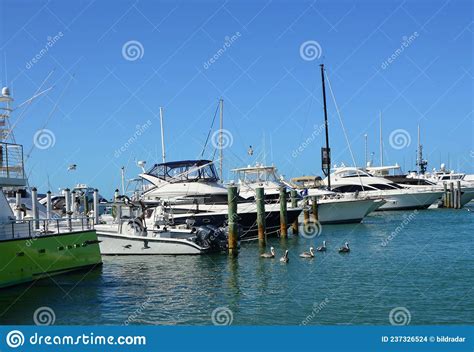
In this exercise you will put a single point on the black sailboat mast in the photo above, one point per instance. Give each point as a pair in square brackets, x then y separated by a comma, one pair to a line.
[325, 152]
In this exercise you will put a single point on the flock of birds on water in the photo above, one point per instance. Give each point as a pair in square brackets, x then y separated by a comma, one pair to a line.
[307, 255]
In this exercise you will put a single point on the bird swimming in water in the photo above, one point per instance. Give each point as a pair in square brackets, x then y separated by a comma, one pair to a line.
[269, 255]
[345, 248]
[309, 254]
[322, 248]
[285, 258]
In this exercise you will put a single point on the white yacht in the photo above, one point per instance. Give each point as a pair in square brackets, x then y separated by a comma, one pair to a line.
[398, 197]
[332, 208]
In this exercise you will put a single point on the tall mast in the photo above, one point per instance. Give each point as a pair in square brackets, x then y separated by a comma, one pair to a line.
[221, 130]
[163, 154]
[5, 114]
[381, 140]
[325, 152]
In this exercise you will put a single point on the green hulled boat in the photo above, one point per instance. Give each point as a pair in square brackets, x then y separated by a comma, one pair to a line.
[32, 249]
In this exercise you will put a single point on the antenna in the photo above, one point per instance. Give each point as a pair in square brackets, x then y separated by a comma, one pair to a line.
[221, 150]
[381, 140]
[122, 174]
[422, 164]
[365, 150]
[163, 154]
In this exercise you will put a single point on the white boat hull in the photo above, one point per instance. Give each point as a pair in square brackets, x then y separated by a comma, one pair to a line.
[116, 244]
[410, 201]
[346, 211]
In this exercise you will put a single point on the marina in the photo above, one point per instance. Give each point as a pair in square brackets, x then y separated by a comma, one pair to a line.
[167, 166]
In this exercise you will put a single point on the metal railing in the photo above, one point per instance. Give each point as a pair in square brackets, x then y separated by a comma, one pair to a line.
[11, 161]
[33, 228]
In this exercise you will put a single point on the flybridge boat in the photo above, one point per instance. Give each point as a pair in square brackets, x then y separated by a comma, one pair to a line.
[251, 177]
[399, 197]
[181, 181]
[190, 191]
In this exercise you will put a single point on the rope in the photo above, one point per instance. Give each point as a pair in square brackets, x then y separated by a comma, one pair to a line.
[209, 133]
[343, 128]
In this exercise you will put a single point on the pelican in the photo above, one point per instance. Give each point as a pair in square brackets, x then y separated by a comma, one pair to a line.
[345, 248]
[309, 254]
[269, 255]
[322, 248]
[285, 258]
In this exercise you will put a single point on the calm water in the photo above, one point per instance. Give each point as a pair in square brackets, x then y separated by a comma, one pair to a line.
[427, 268]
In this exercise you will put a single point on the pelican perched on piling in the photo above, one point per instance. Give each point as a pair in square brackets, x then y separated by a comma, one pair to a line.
[309, 254]
[285, 258]
[322, 248]
[269, 255]
[345, 248]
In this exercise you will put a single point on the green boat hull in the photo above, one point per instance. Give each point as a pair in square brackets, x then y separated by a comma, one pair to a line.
[28, 259]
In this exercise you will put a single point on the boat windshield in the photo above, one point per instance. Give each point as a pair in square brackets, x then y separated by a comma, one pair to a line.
[255, 175]
[186, 171]
[351, 173]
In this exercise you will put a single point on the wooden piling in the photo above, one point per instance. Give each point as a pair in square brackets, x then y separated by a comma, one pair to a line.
[459, 190]
[283, 213]
[294, 204]
[314, 208]
[305, 211]
[451, 198]
[455, 198]
[445, 195]
[260, 197]
[232, 220]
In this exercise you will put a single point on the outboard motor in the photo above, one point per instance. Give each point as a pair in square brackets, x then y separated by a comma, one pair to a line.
[212, 237]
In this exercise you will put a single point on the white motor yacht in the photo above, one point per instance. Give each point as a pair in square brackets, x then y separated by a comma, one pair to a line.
[398, 197]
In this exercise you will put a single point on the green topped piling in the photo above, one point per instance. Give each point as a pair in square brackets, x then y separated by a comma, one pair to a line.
[294, 204]
[232, 220]
[260, 197]
[314, 206]
[283, 213]
[305, 211]
[451, 196]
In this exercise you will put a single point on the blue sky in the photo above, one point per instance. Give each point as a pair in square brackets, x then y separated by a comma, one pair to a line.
[270, 84]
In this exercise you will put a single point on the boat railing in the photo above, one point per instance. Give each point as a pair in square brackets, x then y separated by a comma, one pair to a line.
[33, 228]
[11, 163]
